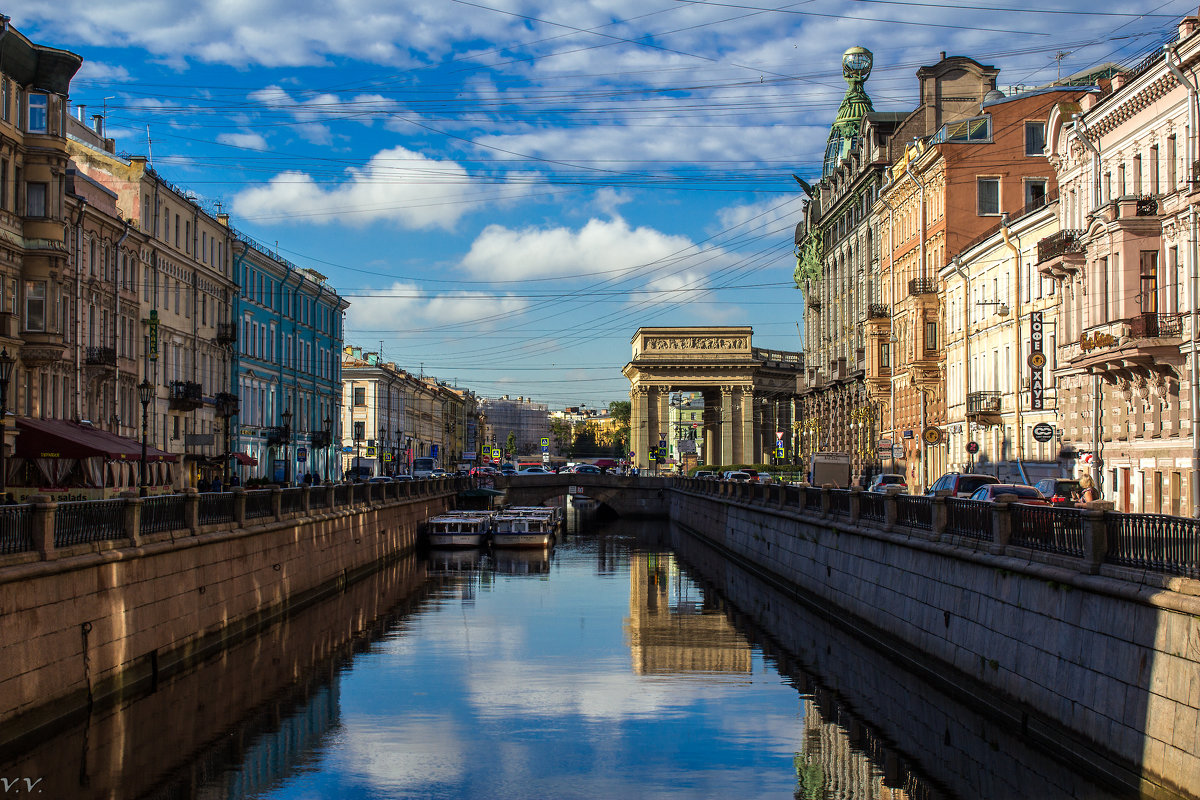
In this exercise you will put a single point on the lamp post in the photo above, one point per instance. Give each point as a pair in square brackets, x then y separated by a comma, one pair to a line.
[145, 395]
[7, 363]
[286, 418]
[328, 445]
[380, 448]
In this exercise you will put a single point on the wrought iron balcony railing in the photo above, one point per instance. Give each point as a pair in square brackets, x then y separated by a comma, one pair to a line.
[918, 286]
[1059, 244]
[878, 311]
[983, 402]
[226, 333]
[184, 395]
[1154, 326]
[101, 356]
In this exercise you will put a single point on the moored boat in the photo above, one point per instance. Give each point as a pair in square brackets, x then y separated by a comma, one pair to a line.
[462, 529]
[513, 529]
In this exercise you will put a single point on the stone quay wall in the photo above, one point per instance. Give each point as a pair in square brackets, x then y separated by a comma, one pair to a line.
[87, 623]
[1099, 663]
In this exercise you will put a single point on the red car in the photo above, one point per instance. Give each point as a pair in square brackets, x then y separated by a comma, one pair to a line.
[1025, 494]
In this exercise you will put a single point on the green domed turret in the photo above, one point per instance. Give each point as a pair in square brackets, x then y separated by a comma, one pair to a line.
[843, 134]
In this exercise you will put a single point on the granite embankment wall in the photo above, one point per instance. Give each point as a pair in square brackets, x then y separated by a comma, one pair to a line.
[89, 622]
[1104, 669]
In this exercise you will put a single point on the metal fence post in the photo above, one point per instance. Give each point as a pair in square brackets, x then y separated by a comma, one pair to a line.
[277, 503]
[239, 505]
[855, 505]
[41, 527]
[826, 500]
[891, 510]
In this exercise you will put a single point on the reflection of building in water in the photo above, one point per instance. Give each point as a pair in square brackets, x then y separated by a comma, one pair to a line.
[670, 631]
[836, 764]
[275, 754]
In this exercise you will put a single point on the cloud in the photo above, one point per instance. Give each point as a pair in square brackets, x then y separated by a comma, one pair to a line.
[767, 214]
[250, 141]
[609, 246]
[396, 186]
[100, 72]
[418, 307]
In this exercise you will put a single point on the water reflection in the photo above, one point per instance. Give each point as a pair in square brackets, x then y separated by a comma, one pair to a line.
[608, 666]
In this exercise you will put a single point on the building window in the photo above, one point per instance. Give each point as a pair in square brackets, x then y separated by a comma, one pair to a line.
[35, 199]
[1154, 169]
[6, 100]
[1035, 193]
[885, 355]
[35, 305]
[1170, 163]
[1149, 281]
[360, 396]
[989, 196]
[38, 107]
[931, 335]
[1035, 138]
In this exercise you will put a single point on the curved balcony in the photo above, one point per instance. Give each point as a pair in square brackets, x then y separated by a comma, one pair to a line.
[984, 407]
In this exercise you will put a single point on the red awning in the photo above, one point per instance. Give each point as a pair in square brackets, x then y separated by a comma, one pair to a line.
[245, 460]
[58, 438]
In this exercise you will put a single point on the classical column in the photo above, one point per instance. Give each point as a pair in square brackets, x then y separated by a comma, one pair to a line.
[637, 426]
[725, 426]
[749, 429]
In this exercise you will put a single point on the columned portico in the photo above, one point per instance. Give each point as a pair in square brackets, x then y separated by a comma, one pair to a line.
[742, 385]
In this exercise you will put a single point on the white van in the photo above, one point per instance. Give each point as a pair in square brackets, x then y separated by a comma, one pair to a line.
[423, 467]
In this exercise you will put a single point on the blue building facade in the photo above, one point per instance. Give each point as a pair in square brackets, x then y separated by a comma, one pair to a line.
[287, 368]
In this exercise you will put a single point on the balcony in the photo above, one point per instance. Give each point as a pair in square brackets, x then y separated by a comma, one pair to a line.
[277, 436]
[1061, 253]
[983, 407]
[226, 333]
[100, 357]
[1155, 326]
[184, 396]
[919, 286]
[879, 311]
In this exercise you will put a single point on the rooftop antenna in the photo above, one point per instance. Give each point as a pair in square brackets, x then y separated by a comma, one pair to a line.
[1059, 56]
[149, 146]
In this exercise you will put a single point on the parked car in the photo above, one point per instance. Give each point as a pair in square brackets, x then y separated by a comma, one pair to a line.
[586, 469]
[380, 479]
[880, 483]
[534, 471]
[962, 484]
[737, 475]
[1060, 491]
[753, 473]
[704, 473]
[1025, 494]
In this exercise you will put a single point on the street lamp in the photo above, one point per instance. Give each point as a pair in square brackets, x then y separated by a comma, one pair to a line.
[380, 448]
[7, 363]
[145, 395]
[286, 418]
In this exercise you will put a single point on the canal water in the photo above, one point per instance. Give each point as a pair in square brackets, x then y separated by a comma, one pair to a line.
[627, 662]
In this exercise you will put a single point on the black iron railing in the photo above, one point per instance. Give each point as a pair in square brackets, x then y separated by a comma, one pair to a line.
[226, 333]
[872, 506]
[1060, 244]
[89, 521]
[983, 402]
[879, 311]
[969, 518]
[258, 504]
[342, 494]
[914, 511]
[291, 501]
[185, 390]
[316, 497]
[812, 498]
[361, 493]
[839, 501]
[164, 513]
[1154, 541]
[101, 356]
[216, 508]
[918, 286]
[1054, 530]
[1153, 326]
[16, 530]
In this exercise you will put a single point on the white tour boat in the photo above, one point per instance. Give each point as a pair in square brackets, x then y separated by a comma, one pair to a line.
[513, 528]
[459, 529]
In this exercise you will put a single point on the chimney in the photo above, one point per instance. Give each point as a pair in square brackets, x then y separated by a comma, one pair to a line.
[223, 219]
[79, 111]
[98, 124]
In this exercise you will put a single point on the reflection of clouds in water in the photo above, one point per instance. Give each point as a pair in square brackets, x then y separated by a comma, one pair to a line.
[395, 755]
[598, 690]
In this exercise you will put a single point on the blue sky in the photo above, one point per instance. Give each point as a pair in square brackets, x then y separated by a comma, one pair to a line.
[506, 190]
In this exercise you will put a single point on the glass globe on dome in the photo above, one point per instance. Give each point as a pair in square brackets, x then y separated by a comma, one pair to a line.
[856, 63]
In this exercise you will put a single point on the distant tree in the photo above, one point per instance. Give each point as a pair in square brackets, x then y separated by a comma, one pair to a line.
[620, 410]
[585, 445]
[510, 444]
[560, 429]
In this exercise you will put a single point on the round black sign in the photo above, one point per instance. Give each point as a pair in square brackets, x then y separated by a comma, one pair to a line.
[972, 447]
[1043, 432]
